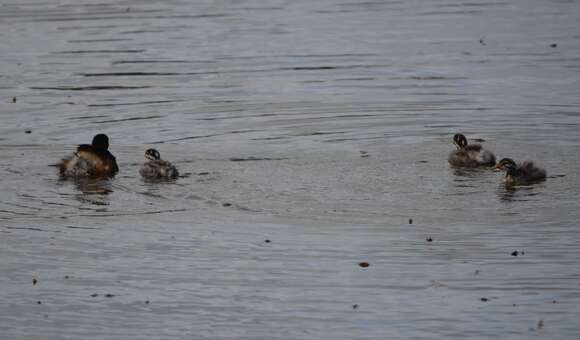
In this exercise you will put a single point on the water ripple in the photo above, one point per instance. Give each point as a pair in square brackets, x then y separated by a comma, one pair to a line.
[312, 137]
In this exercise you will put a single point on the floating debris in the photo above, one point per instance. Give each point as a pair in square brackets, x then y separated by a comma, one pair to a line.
[66, 277]
[364, 154]
[39, 302]
[14, 99]
[482, 42]
[355, 306]
[146, 302]
[516, 253]
[553, 45]
[94, 295]
[484, 299]
[364, 264]
[34, 281]
[109, 295]
[226, 204]
[267, 241]
[429, 239]
[410, 221]
[540, 324]
[28, 131]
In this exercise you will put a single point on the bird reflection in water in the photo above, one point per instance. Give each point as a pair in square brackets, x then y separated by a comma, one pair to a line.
[464, 177]
[93, 190]
[510, 193]
[462, 173]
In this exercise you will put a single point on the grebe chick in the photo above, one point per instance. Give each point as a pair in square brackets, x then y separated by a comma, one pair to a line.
[524, 173]
[156, 168]
[471, 156]
[90, 160]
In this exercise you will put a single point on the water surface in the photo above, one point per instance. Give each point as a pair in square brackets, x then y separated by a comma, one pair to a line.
[312, 136]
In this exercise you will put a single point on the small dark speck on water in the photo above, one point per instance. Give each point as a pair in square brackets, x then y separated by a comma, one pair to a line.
[429, 239]
[39, 302]
[14, 99]
[227, 204]
[410, 221]
[34, 281]
[516, 253]
[553, 45]
[28, 131]
[355, 306]
[364, 264]
[477, 271]
[94, 295]
[267, 241]
[554, 301]
[484, 299]
[66, 277]
[205, 173]
[540, 324]
[109, 295]
[481, 41]
[146, 302]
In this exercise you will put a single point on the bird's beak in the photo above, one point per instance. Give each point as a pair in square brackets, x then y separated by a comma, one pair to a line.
[497, 168]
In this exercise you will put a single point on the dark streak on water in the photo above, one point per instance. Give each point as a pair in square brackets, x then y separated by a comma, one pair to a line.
[98, 51]
[89, 88]
[320, 126]
[137, 103]
[304, 68]
[126, 119]
[117, 62]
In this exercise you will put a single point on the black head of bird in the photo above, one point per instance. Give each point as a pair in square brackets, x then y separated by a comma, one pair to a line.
[152, 154]
[101, 141]
[460, 141]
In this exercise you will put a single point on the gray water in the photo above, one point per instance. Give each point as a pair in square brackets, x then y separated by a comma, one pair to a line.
[312, 136]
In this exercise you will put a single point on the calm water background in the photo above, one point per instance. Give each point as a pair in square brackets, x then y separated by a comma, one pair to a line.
[321, 126]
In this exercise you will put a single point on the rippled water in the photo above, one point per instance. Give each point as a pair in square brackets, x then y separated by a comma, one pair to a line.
[313, 136]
